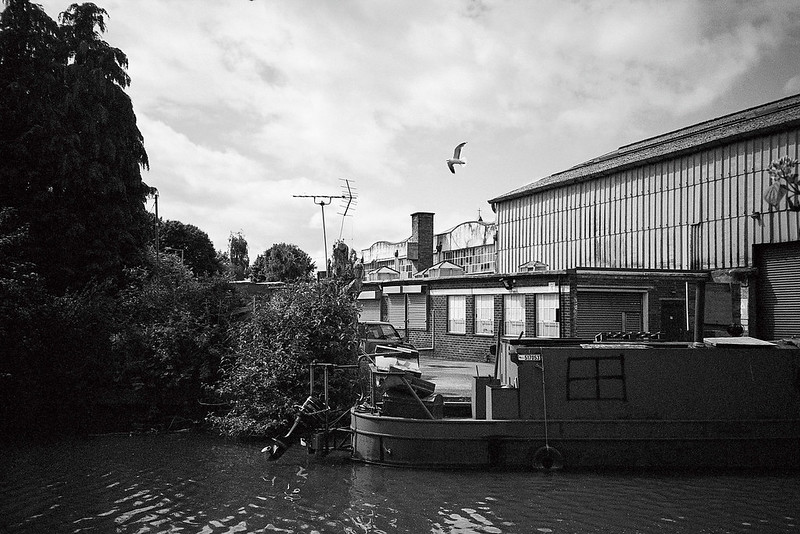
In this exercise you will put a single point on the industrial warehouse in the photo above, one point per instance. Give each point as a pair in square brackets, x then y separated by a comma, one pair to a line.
[677, 237]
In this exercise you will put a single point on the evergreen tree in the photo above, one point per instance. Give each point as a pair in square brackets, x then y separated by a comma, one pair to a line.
[70, 151]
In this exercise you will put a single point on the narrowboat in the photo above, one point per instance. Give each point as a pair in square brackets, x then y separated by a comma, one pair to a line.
[722, 403]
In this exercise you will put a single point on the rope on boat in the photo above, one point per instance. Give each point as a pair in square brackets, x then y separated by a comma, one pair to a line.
[547, 457]
[544, 406]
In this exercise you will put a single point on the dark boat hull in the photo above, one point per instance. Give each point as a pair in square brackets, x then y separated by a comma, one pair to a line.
[479, 444]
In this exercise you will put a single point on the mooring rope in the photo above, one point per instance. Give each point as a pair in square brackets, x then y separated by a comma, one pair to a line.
[544, 406]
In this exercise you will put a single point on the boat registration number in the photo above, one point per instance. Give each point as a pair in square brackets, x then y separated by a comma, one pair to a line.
[529, 357]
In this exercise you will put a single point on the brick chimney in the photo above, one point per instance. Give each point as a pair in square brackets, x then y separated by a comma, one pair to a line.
[420, 246]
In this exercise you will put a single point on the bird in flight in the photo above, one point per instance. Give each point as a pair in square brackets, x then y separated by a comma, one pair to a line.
[456, 159]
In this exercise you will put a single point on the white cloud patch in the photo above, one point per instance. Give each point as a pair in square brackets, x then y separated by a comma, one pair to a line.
[244, 104]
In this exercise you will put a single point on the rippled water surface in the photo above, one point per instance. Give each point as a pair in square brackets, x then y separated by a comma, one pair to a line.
[195, 483]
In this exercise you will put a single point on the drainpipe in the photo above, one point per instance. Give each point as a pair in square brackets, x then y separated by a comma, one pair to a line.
[699, 310]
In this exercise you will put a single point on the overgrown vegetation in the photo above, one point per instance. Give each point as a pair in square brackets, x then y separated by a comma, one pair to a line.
[172, 333]
[266, 374]
[95, 360]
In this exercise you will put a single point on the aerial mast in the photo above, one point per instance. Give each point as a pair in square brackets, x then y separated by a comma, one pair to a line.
[322, 201]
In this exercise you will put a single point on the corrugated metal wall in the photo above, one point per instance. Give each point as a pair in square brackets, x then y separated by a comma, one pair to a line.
[693, 211]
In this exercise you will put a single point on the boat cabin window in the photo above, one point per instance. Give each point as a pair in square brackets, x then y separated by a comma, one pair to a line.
[596, 378]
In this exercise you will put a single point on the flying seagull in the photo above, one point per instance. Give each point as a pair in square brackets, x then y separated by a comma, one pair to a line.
[456, 158]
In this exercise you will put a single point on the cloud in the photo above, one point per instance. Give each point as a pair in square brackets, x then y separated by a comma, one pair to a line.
[793, 85]
[244, 104]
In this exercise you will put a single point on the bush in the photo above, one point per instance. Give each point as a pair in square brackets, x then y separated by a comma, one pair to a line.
[100, 359]
[267, 373]
[173, 330]
[55, 351]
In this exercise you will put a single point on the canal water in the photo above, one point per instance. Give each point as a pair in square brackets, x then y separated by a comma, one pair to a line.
[202, 484]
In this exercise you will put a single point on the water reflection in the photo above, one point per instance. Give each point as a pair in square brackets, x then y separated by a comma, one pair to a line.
[191, 483]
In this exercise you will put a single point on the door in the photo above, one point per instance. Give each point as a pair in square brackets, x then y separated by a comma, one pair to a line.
[778, 303]
[673, 319]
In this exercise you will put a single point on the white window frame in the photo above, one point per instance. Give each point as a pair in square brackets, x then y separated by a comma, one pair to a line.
[457, 314]
[514, 314]
[546, 323]
[484, 315]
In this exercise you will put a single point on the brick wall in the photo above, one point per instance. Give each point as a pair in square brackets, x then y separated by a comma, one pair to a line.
[530, 315]
[468, 347]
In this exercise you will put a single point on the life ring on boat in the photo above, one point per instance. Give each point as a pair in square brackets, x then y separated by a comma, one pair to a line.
[548, 459]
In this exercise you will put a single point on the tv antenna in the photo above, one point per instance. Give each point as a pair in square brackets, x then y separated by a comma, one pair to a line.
[349, 201]
[322, 201]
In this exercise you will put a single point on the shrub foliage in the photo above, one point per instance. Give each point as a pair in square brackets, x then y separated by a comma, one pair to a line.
[267, 373]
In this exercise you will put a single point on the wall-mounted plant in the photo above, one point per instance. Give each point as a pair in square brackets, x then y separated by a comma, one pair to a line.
[784, 183]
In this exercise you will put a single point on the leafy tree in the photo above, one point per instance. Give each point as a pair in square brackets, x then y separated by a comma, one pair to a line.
[282, 263]
[192, 244]
[19, 288]
[223, 260]
[342, 261]
[237, 254]
[266, 375]
[346, 269]
[167, 351]
[70, 151]
[784, 183]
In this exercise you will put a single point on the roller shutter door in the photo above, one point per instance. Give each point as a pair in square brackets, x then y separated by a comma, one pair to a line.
[417, 311]
[778, 290]
[370, 310]
[396, 311]
[606, 311]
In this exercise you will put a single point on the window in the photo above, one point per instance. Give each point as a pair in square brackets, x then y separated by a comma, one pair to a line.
[596, 378]
[484, 314]
[457, 314]
[514, 307]
[547, 324]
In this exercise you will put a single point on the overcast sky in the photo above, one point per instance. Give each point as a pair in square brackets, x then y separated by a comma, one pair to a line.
[244, 104]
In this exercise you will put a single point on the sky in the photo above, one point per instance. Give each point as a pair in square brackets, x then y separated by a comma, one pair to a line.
[245, 104]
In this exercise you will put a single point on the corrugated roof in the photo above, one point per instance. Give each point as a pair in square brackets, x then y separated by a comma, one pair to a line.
[736, 125]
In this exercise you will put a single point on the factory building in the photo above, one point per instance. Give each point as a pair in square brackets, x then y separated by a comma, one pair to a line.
[683, 234]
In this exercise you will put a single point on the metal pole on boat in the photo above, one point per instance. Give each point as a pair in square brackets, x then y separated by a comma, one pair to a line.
[325, 393]
[325, 382]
